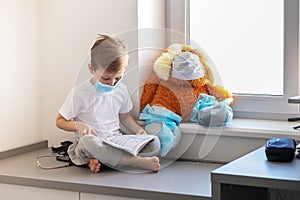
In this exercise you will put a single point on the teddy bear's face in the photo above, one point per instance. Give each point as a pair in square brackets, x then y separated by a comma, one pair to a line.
[187, 66]
[180, 62]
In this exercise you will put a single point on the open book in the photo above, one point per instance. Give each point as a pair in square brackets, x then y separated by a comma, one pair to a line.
[132, 144]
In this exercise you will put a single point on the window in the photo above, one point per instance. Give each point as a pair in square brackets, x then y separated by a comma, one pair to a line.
[254, 46]
[239, 45]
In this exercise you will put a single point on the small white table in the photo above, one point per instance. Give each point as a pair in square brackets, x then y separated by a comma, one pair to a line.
[253, 176]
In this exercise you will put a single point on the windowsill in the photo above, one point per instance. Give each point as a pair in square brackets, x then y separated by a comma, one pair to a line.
[248, 128]
[225, 144]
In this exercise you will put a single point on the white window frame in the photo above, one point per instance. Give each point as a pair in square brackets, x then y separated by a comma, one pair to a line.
[255, 106]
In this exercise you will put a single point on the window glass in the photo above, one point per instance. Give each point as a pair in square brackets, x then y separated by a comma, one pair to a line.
[244, 38]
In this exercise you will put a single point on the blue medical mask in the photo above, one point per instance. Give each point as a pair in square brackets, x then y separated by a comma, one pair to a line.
[105, 88]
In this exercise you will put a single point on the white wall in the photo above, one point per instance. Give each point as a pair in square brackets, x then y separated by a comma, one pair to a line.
[152, 32]
[68, 30]
[20, 70]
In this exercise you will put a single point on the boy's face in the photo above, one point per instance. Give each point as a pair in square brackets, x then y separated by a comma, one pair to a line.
[108, 78]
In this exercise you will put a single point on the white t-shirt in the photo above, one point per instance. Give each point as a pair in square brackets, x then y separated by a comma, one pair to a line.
[98, 109]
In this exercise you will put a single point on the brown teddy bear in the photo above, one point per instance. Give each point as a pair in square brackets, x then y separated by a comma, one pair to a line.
[175, 94]
[182, 75]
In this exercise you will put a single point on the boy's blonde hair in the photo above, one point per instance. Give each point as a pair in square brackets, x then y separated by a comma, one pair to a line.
[109, 54]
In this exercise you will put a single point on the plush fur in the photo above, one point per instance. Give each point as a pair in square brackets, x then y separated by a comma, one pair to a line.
[174, 94]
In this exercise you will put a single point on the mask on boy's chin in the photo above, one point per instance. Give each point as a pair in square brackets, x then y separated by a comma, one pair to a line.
[100, 87]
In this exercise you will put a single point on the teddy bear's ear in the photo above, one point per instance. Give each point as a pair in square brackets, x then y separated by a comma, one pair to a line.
[163, 64]
[162, 67]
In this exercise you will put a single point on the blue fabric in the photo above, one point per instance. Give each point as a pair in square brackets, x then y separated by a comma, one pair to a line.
[208, 111]
[166, 138]
[169, 133]
[106, 88]
[160, 114]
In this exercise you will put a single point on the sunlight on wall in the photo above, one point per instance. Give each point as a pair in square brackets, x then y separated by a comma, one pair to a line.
[20, 87]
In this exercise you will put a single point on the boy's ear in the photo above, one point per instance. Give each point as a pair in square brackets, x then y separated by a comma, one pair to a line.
[91, 69]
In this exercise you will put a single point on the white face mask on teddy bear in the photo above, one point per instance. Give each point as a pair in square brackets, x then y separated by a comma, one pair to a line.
[187, 66]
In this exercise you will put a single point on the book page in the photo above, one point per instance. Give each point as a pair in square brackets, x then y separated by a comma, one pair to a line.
[133, 144]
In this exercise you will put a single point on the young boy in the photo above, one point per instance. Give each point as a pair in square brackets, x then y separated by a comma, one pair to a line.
[94, 109]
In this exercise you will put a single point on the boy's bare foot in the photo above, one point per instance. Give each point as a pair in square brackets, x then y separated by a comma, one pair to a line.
[94, 165]
[150, 163]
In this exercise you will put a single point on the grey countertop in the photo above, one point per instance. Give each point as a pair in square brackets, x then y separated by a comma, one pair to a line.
[254, 169]
[179, 180]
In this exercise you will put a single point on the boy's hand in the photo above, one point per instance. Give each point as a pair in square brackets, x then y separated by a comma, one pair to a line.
[141, 132]
[84, 129]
